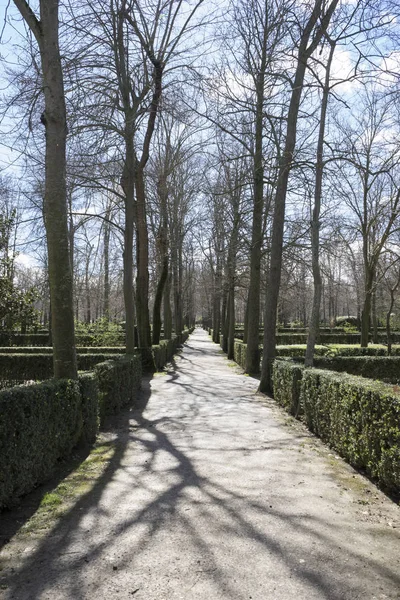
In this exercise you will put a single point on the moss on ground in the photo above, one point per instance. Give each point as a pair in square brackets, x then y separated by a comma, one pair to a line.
[58, 501]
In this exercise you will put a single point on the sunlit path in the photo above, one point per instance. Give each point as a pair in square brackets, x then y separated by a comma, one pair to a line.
[214, 493]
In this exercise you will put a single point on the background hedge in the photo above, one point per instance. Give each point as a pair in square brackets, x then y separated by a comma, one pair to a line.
[38, 367]
[383, 368]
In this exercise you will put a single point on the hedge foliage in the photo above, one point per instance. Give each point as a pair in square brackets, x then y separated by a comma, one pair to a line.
[286, 380]
[39, 424]
[43, 339]
[357, 417]
[300, 350]
[49, 350]
[118, 381]
[383, 368]
[38, 367]
[240, 353]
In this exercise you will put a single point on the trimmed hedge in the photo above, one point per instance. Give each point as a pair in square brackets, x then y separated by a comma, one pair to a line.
[240, 353]
[39, 425]
[38, 367]
[358, 418]
[89, 388]
[118, 382]
[43, 339]
[300, 350]
[164, 351]
[373, 367]
[286, 380]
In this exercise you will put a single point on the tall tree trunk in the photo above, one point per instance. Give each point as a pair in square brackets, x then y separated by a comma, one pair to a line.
[374, 318]
[366, 317]
[158, 300]
[285, 165]
[231, 320]
[142, 254]
[246, 320]
[87, 293]
[315, 223]
[162, 191]
[55, 198]
[167, 309]
[253, 309]
[225, 317]
[106, 259]
[217, 301]
[128, 185]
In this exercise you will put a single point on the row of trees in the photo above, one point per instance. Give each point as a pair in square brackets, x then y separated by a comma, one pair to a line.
[237, 160]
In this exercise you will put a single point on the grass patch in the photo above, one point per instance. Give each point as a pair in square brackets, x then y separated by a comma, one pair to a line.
[57, 502]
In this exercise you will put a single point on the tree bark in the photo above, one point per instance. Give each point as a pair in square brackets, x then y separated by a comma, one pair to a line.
[55, 198]
[315, 223]
[167, 309]
[106, 259]
[285, 165]
[142, 256]
[128, 185]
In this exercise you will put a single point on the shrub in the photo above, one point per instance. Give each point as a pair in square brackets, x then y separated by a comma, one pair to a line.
[39, 424]
[239, 353]
[89, 388]
[300, 350]
[358, 418]
[160, 355]
[49, 350]
[119, 381]
[38, 367]
[286, 378]
[99, 333]
[356, 350]
[373, 367]
[24, 339]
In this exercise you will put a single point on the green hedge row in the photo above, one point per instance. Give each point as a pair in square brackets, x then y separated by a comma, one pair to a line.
[286, 380]
[239, 353]
[383, 368]
[164, 352]
[41, 423]
[359, 418]
[118, 381]
[43, 339]
[49, 350]
[38, 367]
[20, 367]
[286, 339]
[336, 352]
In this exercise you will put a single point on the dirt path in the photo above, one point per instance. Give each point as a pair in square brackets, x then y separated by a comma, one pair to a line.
[214, 493]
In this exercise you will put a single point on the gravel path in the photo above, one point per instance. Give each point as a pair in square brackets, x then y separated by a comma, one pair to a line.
[215, 493]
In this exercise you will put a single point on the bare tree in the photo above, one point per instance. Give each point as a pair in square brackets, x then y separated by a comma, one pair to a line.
[315, 26]
[45, 29]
